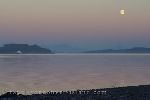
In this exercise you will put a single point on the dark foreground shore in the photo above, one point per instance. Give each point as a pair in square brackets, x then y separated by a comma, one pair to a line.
[141, 92]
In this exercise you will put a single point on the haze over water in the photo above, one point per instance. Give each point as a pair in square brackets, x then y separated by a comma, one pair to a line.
[59, 72]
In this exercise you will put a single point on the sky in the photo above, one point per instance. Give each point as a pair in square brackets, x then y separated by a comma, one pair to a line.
[76, 24]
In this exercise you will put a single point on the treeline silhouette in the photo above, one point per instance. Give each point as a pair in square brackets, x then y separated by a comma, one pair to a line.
[119, 93]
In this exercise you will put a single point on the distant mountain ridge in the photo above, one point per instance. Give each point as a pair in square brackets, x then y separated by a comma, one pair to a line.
[23, 49]
[132, 50]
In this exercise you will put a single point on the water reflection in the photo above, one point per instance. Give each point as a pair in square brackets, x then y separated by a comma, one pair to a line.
[70, 72]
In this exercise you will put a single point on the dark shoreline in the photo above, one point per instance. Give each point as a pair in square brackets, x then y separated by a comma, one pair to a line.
[141, 92]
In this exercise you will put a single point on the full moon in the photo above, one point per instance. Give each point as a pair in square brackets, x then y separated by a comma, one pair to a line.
[122, 12]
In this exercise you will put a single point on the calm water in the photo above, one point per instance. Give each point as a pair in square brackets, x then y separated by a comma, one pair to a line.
[58, 72]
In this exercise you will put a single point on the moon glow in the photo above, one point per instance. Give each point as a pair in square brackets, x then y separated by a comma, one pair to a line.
[122, 12]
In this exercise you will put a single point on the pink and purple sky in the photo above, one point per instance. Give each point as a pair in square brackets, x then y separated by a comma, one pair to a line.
[86, 24]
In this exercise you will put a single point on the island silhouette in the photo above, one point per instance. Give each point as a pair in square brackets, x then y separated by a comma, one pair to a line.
[36, 49]
[23, 49]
